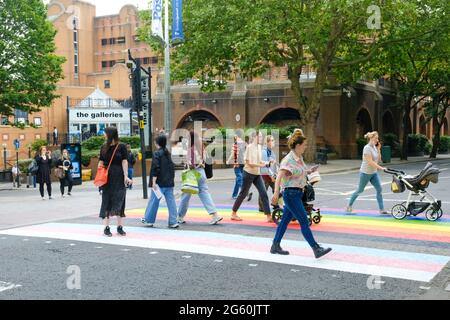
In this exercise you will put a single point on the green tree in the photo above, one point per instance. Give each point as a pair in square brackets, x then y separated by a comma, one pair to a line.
[409, 63]
[29, 69]
[437, 108]
[243, 38]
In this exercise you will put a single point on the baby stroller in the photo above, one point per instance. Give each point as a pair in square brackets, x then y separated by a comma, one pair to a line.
[417, 186]
[308, 196]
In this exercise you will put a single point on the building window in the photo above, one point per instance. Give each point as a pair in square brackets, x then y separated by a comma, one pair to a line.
[112, 40]
[37, 121]
[5, 137]
[136, 38]
[146, 60]
[121, 40]
[75, 69]
[21, 137]
[104, 64]
[75, 59]
[107, 84]
[104, 42]
[154, 60]
[4, 121]
[37, 136]
[75, 47]
[112, 63]
[20, 116]
[75, 36]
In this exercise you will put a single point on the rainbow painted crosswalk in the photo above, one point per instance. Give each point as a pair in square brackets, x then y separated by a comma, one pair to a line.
[232, 243]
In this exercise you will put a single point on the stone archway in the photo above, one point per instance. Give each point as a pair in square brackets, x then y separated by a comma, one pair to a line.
[422, 125]
[363, 122]
[446, 125]
[208, 119]
[281, 117]
[388, 123]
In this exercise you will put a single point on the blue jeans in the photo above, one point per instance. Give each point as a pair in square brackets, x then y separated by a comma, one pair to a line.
[293, 208]
[204, 196]
[153, 205]
[364, 179]
[238, 172]
[130, 176]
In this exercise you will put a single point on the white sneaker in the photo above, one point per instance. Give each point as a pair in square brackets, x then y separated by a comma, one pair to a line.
[174, 226]
[180, 220]
[147, 224]
[215, 219]
[348, 209]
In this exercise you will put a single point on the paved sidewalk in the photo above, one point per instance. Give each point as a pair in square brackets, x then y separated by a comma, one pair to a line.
[333, 166]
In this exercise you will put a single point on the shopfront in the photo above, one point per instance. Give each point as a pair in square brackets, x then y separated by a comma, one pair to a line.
[92, 115]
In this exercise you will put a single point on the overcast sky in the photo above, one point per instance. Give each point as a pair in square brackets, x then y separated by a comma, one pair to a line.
[107, 7]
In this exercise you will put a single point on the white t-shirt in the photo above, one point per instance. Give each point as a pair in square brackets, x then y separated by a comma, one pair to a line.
[365, 166]
[253, 155]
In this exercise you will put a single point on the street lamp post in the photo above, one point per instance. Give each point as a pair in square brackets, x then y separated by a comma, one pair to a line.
[17, 164]
[4, 157]
[167, 108]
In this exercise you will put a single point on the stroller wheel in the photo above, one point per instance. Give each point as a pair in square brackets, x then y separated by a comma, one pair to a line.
[433, 214]
[316, 219]
[399, 211]
[277, 214]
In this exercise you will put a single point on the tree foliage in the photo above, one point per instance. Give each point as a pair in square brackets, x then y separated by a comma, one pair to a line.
[29, 69]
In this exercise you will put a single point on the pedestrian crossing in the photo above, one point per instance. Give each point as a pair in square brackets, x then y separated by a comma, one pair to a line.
[364, 223]
[346, 258]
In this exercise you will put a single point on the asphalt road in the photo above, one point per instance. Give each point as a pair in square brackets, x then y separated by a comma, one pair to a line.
[69, 259]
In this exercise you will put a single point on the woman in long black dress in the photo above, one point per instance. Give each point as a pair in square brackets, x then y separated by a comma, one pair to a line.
[114, 191]
[44, 162]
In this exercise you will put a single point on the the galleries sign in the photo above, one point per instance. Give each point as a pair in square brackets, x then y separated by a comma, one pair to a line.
[98, 115]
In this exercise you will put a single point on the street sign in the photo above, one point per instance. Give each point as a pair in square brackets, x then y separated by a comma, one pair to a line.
[17, 143]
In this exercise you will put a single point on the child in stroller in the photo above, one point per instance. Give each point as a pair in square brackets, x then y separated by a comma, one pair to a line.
[308, 196]
[417, 186]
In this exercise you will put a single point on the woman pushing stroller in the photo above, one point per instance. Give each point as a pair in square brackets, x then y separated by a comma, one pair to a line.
[291, 179]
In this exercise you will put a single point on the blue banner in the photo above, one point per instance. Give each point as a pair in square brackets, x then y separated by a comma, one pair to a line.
[177, 17]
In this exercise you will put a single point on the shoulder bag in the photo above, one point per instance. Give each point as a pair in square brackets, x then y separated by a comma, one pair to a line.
[101, 178]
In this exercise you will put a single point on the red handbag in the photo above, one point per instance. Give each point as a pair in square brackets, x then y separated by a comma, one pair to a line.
[101, 178]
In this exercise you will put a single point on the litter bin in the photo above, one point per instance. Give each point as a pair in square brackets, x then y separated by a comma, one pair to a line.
[386, 154]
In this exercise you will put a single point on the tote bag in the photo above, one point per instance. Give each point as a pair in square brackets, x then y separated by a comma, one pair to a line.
[189, 181]
[101, 178]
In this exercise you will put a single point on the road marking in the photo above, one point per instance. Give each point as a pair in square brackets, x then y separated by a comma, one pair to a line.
[4, 286]
[72, 244]
[218, 260]
[48, 242]
[26, 239]
[253, 265]
[424, 288]
[125, 249]
[154, 252]
[187, 257]
[362, 260]
[98, 247]
[295, 270]
[392, 200]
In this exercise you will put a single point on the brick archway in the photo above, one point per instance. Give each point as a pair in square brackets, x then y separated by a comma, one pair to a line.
[388, 122]
[363, 122]
[291, 110]
[193, 111]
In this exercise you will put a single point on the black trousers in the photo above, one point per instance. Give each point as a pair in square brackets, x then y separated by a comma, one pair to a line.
[257, 180]
[49, 188]
[62, 182]
[267, 183]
